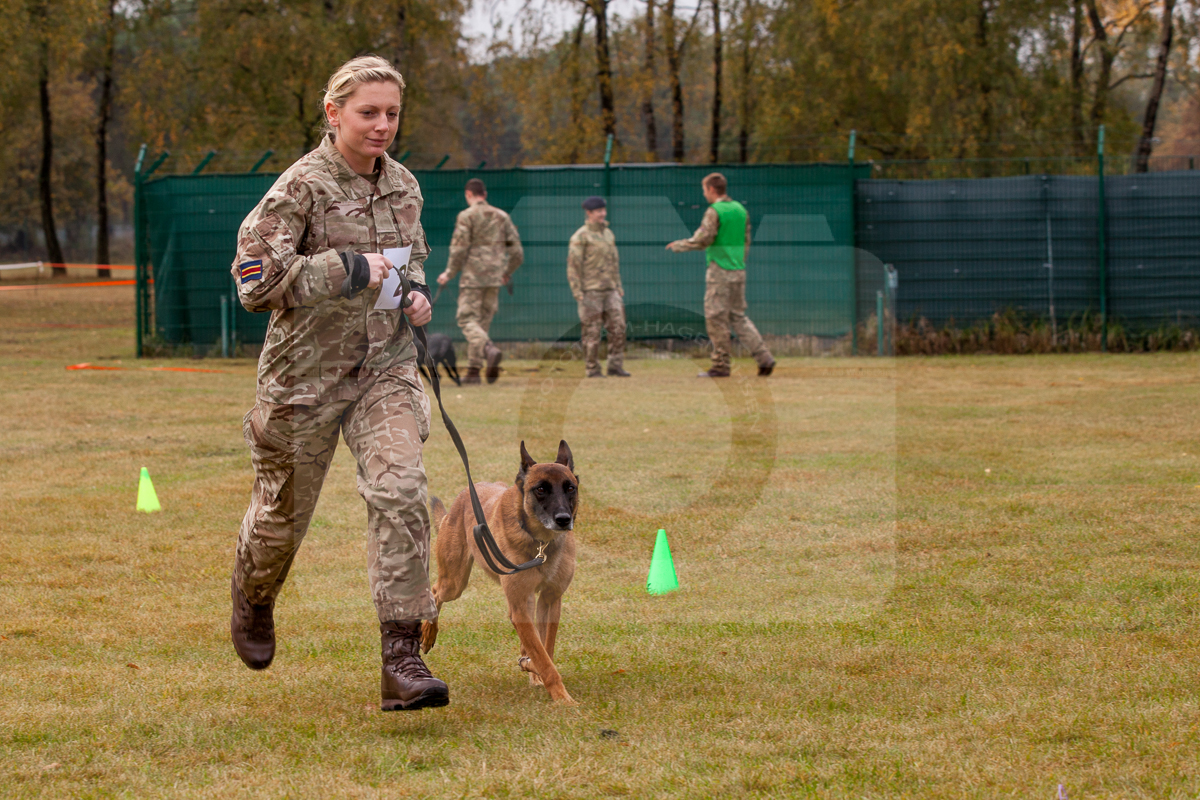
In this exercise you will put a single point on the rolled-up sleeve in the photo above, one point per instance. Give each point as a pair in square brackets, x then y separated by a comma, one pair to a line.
[269, 270]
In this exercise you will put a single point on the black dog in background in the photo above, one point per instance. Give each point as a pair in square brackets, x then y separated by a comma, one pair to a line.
[441, 349]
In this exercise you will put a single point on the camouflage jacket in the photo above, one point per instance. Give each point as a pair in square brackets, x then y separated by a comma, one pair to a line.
[485, 247]
[321, 347]
[592, 261]
[707, 232]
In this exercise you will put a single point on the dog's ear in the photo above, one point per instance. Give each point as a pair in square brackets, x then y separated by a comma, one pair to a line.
[526, 462]
[564, 455]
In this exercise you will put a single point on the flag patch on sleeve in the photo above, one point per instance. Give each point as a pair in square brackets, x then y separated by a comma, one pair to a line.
[251, 271]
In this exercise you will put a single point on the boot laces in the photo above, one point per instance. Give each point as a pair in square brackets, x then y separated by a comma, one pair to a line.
[255, 624]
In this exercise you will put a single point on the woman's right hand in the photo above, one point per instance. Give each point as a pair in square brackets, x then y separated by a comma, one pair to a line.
[380, 266]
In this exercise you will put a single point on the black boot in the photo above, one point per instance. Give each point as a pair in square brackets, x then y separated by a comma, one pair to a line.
[252, 629]
[406, 682]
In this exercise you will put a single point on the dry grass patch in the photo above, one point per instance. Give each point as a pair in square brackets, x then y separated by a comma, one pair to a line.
[968, 577]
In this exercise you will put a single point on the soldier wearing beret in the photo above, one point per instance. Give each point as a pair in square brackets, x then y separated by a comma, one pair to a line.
[724, 235]
[339, 359]
[594, 272]
[486, 248]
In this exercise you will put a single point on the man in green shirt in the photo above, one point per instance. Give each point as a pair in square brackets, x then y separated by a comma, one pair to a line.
[724, 235]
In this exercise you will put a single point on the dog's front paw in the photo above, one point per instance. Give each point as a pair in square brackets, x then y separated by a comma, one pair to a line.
[429, 631]
[559, 695]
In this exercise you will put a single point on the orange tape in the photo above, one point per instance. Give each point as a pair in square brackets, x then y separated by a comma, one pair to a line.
[67, 285]
[124, 267]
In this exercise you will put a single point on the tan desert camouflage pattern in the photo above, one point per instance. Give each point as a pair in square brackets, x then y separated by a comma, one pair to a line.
[725, 310]
[320, 347]
[476, 307]
[485, 247]
[291, 447]
[593, 264]
[707, 232]
[602, 308]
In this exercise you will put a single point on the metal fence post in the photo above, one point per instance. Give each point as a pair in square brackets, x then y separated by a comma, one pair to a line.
[853, 253]
[607, 160]
[139, 255]
[1101, 237]
[879, 322]
[224, 326]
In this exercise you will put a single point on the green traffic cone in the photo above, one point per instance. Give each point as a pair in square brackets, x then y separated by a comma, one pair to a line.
[662, 577]
[147, 499]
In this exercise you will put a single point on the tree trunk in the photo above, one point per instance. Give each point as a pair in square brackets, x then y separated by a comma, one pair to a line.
[105, 114]
[302, 119]
[608, 114]
[1160, 78]
[53, 249]
[714, 149]
[672, 47]
[576, 94]
[401, 63]
[1104, 73]
[1078, 135]
[744, 122]
[648, 97]
[986, 121]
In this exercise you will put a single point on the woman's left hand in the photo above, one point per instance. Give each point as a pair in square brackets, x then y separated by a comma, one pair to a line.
[420, 312]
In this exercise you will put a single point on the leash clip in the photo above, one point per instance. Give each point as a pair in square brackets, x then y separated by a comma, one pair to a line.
[541, 553]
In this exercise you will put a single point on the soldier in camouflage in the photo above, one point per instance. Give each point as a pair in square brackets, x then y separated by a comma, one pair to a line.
[486, 248]
[594, 272]
[724, 235]
[336, 359]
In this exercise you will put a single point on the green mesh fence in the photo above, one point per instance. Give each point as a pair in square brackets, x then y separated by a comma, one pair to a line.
[802, 270]
[962, 249]
[965, 249]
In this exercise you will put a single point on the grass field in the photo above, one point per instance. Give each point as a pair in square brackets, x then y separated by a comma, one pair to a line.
[950, 577]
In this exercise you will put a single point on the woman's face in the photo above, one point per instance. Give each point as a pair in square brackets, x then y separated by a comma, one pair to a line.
[366, 124]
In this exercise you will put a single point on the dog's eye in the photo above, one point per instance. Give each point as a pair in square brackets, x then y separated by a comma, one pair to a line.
[568, 488]
[540, 491]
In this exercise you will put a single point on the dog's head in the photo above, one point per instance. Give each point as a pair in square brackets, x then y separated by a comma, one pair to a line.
[550, 492]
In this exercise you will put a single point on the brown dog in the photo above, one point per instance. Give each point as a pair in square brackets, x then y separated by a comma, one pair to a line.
[537, 512]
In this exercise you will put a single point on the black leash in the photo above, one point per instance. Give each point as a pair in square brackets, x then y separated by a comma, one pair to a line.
[483, 535]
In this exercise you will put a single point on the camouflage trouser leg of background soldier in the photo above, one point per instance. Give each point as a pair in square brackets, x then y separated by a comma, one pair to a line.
[291, 447]
[725, 309]
[602, 309]
[476, 307]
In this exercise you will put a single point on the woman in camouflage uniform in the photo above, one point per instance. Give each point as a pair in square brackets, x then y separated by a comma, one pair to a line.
[336, 358]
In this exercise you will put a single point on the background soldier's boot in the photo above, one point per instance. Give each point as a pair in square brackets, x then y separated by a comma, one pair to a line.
[493, 355]
[714, 372]
[766, 369]
[406, 682]
[253, 629]
[595, 373]
[472, 376]
[618, 372]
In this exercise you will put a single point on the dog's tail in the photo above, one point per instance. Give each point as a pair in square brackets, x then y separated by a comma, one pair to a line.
[437, 512]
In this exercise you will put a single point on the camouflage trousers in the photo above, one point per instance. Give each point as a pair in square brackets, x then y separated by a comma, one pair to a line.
[606, 309]
[291, 447]
[725, 310]
[476, 307]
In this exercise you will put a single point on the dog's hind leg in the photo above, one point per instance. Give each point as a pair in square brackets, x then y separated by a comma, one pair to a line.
[454, 563]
